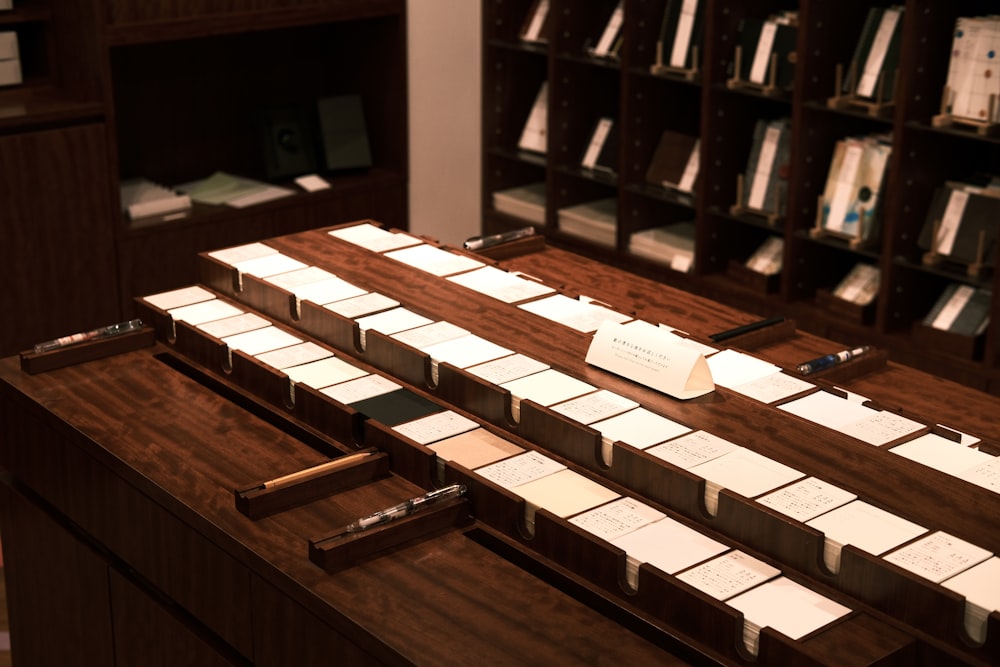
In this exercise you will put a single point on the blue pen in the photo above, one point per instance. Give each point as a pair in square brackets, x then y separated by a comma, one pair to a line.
[830, 360]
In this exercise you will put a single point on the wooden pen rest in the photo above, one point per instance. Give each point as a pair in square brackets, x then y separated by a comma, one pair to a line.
[870, 362]
[514, 248]
[258, 500]
[768, 335]
[342, 549]
[91, 350]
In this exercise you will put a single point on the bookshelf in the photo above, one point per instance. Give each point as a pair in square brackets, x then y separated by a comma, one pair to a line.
[702, 100]
[174, 92]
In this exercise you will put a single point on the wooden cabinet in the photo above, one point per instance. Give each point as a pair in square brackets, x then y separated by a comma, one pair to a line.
[701, 100]
[173, 93]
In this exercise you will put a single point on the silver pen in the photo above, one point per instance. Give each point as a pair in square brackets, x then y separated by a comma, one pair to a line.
[406, 508]
[93, 334]
[480, 242]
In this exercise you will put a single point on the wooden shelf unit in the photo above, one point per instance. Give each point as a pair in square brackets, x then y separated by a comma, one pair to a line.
[644, 104]
[174, 92]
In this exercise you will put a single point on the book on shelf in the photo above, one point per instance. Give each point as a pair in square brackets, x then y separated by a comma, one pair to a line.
[536, 23]
[765, 184]
[852, 195]
[609, 43]
[672, 245]
[768, 257]
[523, 201]
[961, 309]
[675, 162]
[222, 188]
[10, 59]
[344, 132]
[680, 34]
[972, 88]
[872, 74]
[146, 201]
[534, 134]
[767, 50]
[595, 221]
[601, 153]
[961, 223]
[860, 285]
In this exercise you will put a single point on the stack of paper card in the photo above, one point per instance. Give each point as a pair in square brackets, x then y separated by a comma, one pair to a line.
[937, 556]
[230, 326]
[594, 221]
[525, 201]
[434, 260]
[864, 526]
[361, 305]
[730, 574]
[374, 238]
[768, 258]
[882, 428]
[595, 406]
[268, 265]
[940, 453]
[765, 182]
[144, 199]
[744, 472]
[361, 388]
[463, 351]
[424, 336]
[773, 388]
[294, 355]
[860, 285]
[241, 253]
[828, 409]
[579, 314]
[544, 388]
[505, 286]
[786, 606]
[322, 373]
[985, 474]
[961, 309]
[668, 545]
[518, 471]
[435, 427]
[201, 312]
[980, 584]
[672, 245]
[616, 519]
[264, 339]
[692, 449]
[176, 298]
[563, 493]
[806, 499]
[473, 449]
[390, 322]
[506, 369]
[639, 428]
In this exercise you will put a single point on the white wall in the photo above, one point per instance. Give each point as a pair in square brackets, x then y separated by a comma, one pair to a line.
[443, 40]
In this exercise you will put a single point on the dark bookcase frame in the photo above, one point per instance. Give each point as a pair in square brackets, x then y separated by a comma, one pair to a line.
[701, 103]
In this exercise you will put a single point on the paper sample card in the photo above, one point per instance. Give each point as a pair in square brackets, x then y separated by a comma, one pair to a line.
[786, 606]
[242, 253]
[647, 355]
[474, 449]
[294, 355]
[231, 326]
[434, 260]
[730, 574]
[261, 340]
[869, 528]
[323, 373]
[545, 388]
[594, 407]
[520, 469]
[980, 584]
[364, 304]
[563, 493]
[437, 426]
[806, 499]
[501, 285]
[938, 556]
[940, 453]
[204, 311]
[374, 238]
[360, 389]
[269, 265]
[742, 471]
[573, 313]
[617, 518]
[692, 449]
[667, 545]
[506, 369]
[185, 296]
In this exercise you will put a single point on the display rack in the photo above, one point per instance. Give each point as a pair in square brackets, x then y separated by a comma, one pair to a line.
[929, 147]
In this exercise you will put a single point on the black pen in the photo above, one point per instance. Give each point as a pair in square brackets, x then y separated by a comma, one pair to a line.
[406, 508]
[829, 360]
[746, 328]
[480, 242]
[93, 334]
